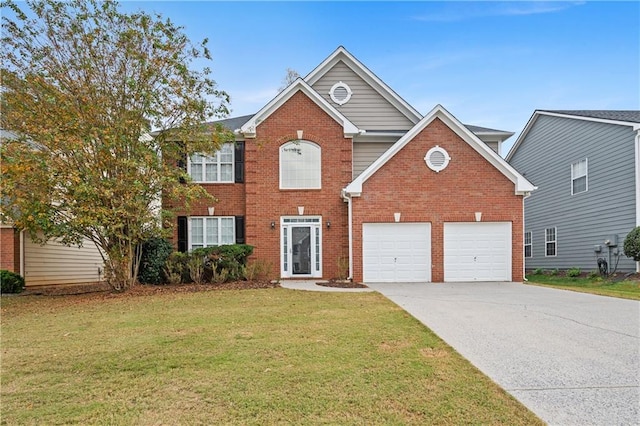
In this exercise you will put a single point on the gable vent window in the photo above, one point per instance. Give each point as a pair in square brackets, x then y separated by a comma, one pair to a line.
[437, 159]
[340, 93]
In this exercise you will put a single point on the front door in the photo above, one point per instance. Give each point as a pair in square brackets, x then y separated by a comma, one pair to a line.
[301, 254]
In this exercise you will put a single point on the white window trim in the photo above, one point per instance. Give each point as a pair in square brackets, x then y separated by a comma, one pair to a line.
[219, 163]
[586, 175]
[530, 244]
[306, 142]
[554, 241]
[204, 231]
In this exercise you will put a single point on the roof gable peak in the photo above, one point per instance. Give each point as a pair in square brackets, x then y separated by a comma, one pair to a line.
[299, 85]
[522, 185]
[342, 55]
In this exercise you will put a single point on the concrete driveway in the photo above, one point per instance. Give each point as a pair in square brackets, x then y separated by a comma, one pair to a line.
[571, 358]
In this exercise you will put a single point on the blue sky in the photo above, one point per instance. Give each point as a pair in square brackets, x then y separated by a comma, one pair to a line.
[489, 63]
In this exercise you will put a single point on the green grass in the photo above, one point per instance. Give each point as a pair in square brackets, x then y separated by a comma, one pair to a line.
[236, 357]
[627, 289]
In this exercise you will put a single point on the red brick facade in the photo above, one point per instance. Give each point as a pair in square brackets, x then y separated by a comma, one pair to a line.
[10, 249]
[266, 203]
[469, 184]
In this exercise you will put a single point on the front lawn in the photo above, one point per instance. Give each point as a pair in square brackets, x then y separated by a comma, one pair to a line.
[625, 288]
[236, 357]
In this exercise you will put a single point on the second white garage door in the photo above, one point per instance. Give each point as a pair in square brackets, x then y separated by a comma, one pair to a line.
[396, 252]
[477, 251]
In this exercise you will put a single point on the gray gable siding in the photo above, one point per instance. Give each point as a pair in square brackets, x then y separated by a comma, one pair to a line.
[367, 109]
[588, 218]
[365, 153]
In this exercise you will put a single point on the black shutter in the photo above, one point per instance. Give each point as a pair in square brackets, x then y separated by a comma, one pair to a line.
[240, 230]
[183, 238]
[182, 160]
[239, 162]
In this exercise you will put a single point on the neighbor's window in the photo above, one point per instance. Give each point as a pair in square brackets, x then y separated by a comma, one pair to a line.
[211, 231]
[528, 252]
[300, 165]
[550, 241]
[218, 168]
[579, 177]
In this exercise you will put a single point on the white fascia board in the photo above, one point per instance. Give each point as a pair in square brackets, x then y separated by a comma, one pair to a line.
[597, 120]
[522, 185]
[249, 128]
[341, 54]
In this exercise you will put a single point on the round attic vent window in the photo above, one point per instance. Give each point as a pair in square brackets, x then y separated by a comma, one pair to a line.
[340, 93]
[437, 159]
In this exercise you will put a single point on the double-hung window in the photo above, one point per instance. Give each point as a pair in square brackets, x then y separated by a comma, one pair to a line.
[550, 241]
[211, 231]
[528, 248]
[579, 177]
[219, 168]
[300, 165]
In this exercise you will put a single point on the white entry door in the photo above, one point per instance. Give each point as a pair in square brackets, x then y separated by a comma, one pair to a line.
[477, 251]
[396, 252]
[301, 254]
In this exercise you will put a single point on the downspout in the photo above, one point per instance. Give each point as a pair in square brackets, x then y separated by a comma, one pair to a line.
[22, 252]
[637, 157]
[524, 228]
[347, 198]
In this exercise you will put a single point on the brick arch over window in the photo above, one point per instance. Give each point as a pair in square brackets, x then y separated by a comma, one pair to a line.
[300, 165]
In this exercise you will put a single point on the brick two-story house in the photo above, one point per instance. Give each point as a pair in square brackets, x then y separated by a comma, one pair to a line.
[339, 170]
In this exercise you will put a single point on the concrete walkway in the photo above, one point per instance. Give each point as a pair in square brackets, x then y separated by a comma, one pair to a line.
[572, 358]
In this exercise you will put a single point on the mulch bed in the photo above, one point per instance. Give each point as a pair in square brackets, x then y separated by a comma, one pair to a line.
[103, 290]
[341, 284]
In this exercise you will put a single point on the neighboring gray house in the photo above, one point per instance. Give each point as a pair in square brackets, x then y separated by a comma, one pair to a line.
[586, 165]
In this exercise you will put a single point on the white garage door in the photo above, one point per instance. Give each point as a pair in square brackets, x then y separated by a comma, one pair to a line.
[396, 252]
[477, 251]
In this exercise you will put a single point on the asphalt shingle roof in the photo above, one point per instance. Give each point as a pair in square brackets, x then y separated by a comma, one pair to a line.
[616, 115]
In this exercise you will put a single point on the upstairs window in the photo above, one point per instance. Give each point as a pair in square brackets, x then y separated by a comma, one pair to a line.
[550, 242]
[579, 177]
[528, 247]
[300, 165]
[219, 168]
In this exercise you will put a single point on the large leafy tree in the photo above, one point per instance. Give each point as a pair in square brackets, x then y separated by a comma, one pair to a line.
[83, 85]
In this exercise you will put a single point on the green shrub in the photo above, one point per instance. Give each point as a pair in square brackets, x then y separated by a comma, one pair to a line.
[155, 252]
[573, 272]
[593, 274]
[632, 244]
[554, 272]
[10, 282]
[231, 257]
[538, 271]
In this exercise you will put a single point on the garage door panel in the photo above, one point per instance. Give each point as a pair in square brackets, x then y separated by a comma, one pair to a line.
[477, 251]
[396, 252]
